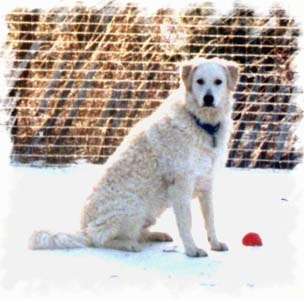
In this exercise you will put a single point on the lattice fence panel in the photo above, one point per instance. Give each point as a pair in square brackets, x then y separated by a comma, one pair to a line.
[81, 76]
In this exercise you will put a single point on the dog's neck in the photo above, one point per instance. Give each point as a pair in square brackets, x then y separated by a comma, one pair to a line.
[210, 129]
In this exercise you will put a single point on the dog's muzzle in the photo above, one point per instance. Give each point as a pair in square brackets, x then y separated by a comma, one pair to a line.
[208, 100]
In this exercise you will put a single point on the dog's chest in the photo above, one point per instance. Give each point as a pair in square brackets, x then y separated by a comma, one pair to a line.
[205, 154]
[200, 162]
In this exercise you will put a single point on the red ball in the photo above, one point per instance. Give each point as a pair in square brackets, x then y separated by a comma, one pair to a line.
[252, 239]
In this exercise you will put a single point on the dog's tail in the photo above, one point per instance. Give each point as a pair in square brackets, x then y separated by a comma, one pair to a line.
[47, 240]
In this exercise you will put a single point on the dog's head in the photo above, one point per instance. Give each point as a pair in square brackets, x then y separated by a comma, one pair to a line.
[209, 80]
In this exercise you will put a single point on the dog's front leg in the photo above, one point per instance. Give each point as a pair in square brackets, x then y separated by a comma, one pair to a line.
[205, 199]
[181, 193]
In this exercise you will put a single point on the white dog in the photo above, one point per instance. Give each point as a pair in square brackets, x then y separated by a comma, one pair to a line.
[166, 160]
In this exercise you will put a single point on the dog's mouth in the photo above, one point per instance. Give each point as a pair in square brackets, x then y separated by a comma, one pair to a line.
[209, 105]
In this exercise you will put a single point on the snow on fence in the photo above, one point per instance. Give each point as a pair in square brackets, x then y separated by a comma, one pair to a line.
[81, 76]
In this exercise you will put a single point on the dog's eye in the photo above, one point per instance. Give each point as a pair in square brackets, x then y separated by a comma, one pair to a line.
[200, 81]
[218, 82]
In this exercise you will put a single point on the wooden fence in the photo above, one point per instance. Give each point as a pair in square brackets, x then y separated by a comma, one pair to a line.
[82, 76]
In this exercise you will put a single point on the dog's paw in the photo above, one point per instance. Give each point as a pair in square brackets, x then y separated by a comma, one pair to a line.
[130, 247]
[196, 252]
[133, 248]
[219, 246]
[159, 237]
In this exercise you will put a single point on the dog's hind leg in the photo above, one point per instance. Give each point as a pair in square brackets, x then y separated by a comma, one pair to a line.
[116, 235]
[123, 245]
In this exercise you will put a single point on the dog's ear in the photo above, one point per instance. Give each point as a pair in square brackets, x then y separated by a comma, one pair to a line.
[233, 71]
[186, 70]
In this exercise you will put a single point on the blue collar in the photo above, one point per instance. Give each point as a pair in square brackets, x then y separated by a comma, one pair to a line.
[210, 129]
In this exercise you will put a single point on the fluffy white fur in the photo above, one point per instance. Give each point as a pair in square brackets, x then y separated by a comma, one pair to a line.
[165, 161]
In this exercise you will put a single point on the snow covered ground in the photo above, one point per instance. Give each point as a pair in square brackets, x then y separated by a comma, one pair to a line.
[266, 202]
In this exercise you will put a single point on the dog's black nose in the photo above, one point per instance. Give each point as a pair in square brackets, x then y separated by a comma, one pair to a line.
[208, 100]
